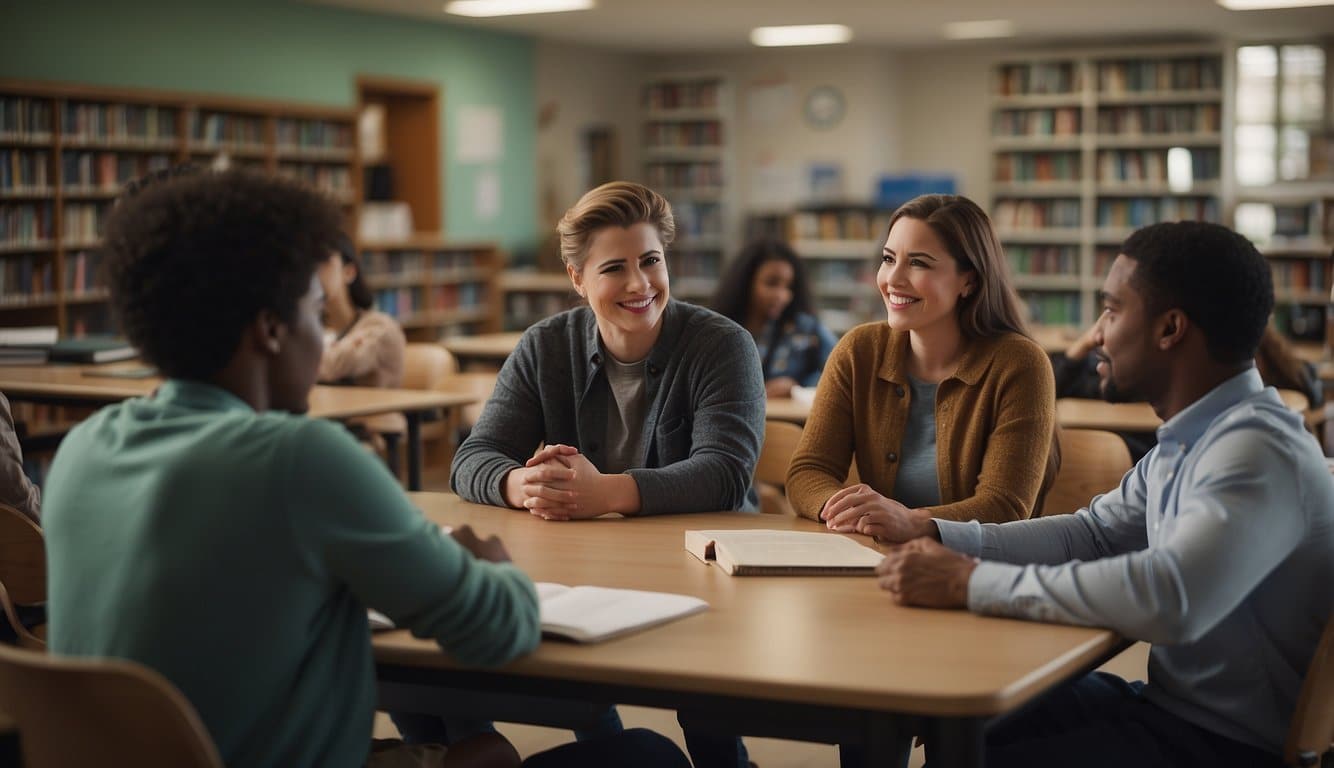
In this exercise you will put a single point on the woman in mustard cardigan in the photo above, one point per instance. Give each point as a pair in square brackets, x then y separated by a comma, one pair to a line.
[949, 408]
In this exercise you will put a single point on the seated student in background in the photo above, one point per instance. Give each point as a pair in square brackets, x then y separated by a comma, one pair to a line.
[1217, 547]
[1278, 366]
[213, 533]
[948, 406]
[766, 292]
[636, 403]
[16, 489]
[368, 345]
[645, 405]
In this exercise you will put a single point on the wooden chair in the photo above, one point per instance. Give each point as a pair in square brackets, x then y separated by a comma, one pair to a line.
[1312, 731]
[425, 367]
[780, 442]
[22, 570]
[1092, 462]
[81, 712]
[1295, 400]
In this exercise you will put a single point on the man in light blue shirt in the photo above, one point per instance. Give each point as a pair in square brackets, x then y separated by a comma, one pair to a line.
[1217, 547]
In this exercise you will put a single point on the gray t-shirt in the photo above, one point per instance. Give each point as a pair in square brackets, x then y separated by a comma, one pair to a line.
[625, 414]
[917, 484]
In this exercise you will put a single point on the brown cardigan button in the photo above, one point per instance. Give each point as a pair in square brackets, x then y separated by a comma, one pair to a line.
[892, 456]
[898, 390]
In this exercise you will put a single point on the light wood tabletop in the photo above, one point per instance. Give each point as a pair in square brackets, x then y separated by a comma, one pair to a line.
[92, 384]
[813, 643]
[486, 347]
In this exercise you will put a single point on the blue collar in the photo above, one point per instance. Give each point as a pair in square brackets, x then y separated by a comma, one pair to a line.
[200, 396]
[1190, 424]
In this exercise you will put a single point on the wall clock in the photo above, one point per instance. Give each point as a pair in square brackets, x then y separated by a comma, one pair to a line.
[824, 107]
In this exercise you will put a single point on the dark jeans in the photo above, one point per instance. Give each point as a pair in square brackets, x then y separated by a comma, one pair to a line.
[1102, 721]
[635, 748]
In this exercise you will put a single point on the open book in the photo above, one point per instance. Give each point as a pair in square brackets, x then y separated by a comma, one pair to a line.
[594, 614]
[775, 553]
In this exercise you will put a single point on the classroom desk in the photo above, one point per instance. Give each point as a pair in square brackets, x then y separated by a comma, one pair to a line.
[1054, 338]
[1075, 412]
[786, 409]
[70, 385]
[813, 658]
[487, 348]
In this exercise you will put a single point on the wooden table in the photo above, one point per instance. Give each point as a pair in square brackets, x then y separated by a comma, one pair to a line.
[813, 658]
[489, 348]
[1054, 338]
[787, 409]
[78, 385]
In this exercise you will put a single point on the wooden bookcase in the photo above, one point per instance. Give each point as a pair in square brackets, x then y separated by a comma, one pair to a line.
[1086, 148]
[1294, 228]
[840, 246]
[687, 158]
[435, 289]
[66, 150]
[527, 297]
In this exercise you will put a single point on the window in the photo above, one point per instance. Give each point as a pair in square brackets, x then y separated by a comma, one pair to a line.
[1283, 126]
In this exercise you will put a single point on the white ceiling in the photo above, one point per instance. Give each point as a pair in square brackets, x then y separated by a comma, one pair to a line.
[661, 26]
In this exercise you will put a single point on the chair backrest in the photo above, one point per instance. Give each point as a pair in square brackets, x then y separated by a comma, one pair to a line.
[78, 712]
[1312, 731]
[780, 442]
[1295, 400]
[425, 366]
[1092, 462]
[22, 557]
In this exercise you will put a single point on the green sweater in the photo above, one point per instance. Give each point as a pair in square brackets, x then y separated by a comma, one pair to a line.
[236, 553]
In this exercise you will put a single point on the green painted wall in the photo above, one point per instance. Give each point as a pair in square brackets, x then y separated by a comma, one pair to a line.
[279, 49]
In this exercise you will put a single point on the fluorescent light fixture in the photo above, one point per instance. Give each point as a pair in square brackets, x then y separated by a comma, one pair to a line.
[1265, 5]
[809, 34]
[482, 8]
[979, 30]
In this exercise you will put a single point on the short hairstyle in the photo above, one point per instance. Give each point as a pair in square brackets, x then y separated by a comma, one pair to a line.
[993, 308]
[193, 260]
[357, 290]
[614, 204]
[732, 299]
[1212, 274]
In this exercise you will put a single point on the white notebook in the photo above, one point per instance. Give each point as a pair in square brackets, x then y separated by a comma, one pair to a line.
[782, 553]
[593, 614]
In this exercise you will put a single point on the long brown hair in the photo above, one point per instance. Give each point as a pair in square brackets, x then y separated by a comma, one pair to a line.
[966, 230]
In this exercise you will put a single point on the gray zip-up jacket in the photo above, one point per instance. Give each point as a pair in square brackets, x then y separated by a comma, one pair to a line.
[705, 416]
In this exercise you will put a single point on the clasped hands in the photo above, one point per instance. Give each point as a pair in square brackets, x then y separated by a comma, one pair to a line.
[917, 569]
[557, 483]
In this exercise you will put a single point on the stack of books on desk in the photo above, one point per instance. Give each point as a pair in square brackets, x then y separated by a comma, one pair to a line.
[34, 346]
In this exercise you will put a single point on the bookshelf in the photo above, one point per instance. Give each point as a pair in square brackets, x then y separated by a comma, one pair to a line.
[435, 289]
[840, 246]
[66, 150]
[528, 297]
[1085, 149]
[1294, 228]
[687, 157]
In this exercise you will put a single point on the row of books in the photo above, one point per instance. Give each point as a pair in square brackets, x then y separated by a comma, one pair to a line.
[1102, 260]
[668, 173]
[404, 302]
[24, 279]
[1043, 259]
[694, 264]
[1150, 165]
[1143, 211]
[1036, 214]
[1038, 77]
[108, 170]
[26, 119]
[1160, 118]
[26, 224]
[701, 133]
[405, 263]
[698, 219]
[854, 224]
[82, 222]
[23, 170]
[1037, 166]
[1310, 275]
[221, 128]
[314, 134]
[836, 271]
[1063, 121]
[525, 308]
[1183, 74]
[335, 180]
[82, 273]
[1052, 307]
[118, 123]
[683, 95]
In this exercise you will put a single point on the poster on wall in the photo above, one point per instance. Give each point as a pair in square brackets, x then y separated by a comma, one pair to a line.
[480, 136]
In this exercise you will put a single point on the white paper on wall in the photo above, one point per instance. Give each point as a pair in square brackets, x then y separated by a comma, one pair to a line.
[480, 135]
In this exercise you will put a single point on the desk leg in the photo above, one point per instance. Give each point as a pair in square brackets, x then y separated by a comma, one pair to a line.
[888, 744]
[414, 450]
[391, 452]
[957, 743]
